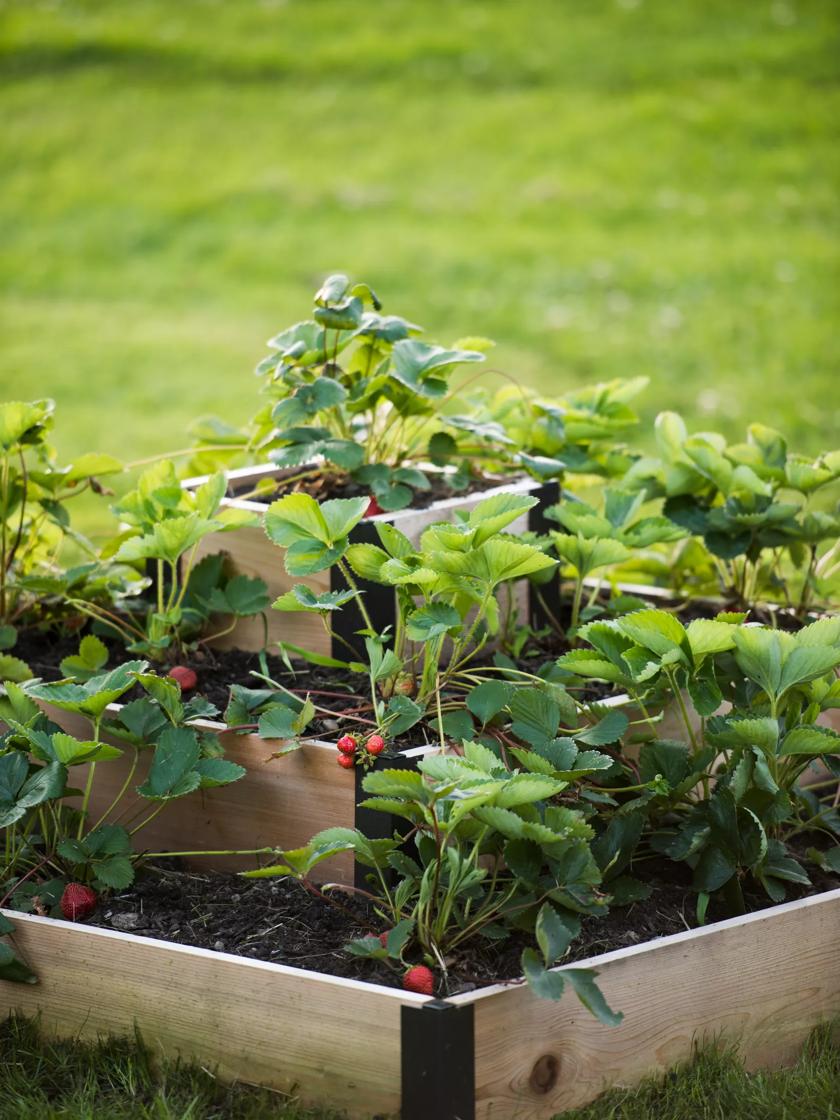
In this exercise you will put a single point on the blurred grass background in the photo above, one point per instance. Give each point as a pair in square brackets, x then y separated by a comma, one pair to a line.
[609, 188]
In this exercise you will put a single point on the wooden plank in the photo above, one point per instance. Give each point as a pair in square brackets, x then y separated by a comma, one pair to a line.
[337, 1042]
[252, 554]
[278, 803]
[764, 980]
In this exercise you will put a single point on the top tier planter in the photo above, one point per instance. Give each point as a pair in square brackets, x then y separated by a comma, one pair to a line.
[251, 553]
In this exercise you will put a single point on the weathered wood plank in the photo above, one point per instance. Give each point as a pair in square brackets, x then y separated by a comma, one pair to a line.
[337, 1041]
[765, 980]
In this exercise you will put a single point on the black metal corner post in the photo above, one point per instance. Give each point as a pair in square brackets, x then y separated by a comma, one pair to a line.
[547, 495]
[371, 822]
[437, 1047]
[379, 601]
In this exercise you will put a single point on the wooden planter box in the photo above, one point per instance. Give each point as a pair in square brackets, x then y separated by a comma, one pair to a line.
[279, 803]
[765, 980]
[251, 553]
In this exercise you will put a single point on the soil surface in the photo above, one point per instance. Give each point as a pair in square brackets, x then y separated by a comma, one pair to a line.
[322, 486]
[278, 920]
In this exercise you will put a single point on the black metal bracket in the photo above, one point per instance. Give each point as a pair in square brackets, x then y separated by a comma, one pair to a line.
[379, 601]
[438, 1061]
[547, 593]
[372, 823]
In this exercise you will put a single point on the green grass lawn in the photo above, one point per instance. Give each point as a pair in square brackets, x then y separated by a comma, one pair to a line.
[609, 188]
[121, 1080]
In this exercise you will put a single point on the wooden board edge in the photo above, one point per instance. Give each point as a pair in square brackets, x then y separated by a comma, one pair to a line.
[685, 937]
[323, 979]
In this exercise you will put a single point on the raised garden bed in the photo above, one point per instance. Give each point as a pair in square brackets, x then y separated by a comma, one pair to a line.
[251, 553]
[765, 979]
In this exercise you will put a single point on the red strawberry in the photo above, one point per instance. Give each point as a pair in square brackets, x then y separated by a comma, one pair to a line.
[347, 744]
[78, 902]
[346, 761]
[184, 676]
[375, 744]
[420, 979]
[383, 939]
[373, 508]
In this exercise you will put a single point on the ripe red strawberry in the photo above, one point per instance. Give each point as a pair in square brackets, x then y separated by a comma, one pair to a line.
[373, 508]
[78, 902]
[184, 676]
[347, 744]
[383, 939]
[375, 744]
[420, 979]
[346, 761]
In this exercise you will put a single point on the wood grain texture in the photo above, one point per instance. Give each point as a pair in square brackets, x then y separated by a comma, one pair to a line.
[279, 802]
[253, 1021]
[251, 553]
[764, 980]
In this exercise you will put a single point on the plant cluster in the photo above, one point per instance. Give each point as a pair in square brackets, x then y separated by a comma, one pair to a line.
[548, 784]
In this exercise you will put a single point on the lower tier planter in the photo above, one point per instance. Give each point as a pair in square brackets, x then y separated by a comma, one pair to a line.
[764, 980]
[279, 803]
[251, 553]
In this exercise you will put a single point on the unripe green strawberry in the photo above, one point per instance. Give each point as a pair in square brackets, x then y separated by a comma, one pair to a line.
[405, 685]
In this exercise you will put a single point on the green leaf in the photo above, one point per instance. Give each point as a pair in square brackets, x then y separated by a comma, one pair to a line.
[91, 464]
[553, 937]
[583, 980]
[92, 656]
[536, 717]
[609, 729]
[431, 622]
[810, 740]
[367, 560]
[402, 714]
[13, 969]
[713, 870]
[218, 772]
[172, 773]
[116, 872]
[277, 722]
[524, 789]
[543, 982]
[489, 698]
[293, 518]
[303, 598]
[656, 630]
[14, 669]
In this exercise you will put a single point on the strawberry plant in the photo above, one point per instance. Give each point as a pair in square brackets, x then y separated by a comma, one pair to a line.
[49, 828]
[446, 591]
[164, 525]
[483, 852]
[573, 433]
[727, 798]
[35, 529]
[593, 540]
[752, 503]
[355, 396]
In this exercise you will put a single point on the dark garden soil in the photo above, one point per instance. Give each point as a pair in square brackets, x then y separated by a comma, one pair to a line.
[278, 920]
[322, 486]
